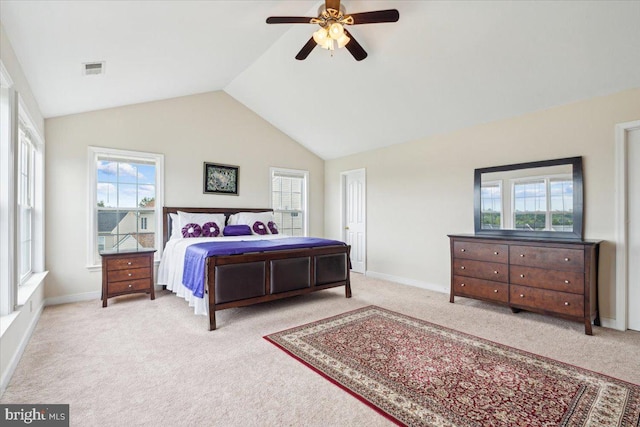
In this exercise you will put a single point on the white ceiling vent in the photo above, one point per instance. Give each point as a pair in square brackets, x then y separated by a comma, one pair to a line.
[93, 68]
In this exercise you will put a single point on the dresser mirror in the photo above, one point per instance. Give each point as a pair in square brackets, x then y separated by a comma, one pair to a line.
[539, 199]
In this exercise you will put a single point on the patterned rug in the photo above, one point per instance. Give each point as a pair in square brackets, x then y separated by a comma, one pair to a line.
[420, 374]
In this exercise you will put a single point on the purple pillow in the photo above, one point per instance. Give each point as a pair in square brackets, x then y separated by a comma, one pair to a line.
[273, 228]
[210, 229]
[237, 230]
[259, 228]
[191, 230]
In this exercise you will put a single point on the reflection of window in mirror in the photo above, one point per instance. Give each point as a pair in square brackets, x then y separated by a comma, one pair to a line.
[491, 205]
[544, 203]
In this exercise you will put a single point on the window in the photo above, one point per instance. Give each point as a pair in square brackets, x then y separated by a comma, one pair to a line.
[543, 204]
[26, 189]
[289, 197]
[126, 201]
[491, 205]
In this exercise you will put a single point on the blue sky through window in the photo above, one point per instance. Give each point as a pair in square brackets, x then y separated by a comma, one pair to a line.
[124, 184]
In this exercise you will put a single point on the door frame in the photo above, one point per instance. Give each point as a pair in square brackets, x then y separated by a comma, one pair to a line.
[343, 208]
[621, 202]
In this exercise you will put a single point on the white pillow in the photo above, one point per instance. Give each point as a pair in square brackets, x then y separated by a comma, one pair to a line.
[176, 230]
[233, 219]
[200, 219]
[250, 219]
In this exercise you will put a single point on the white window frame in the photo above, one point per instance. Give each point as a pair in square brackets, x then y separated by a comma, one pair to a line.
[93, 259]
[26, 198]
[15, 115]
[547, 183]
[305, 192]
[498, 184]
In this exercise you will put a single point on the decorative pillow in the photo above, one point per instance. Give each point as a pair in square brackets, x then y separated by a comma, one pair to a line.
[251, 218]
[176, 230]
[273, 228]
[237, 230]
[210, 229]
[233, 219]
[202, 219]
[259, 228]
[191, 230]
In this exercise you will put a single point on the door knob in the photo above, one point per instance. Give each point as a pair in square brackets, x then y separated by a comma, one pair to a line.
[346, 228]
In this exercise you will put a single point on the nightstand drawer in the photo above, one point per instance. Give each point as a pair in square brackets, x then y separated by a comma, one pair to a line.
[131, 274]
[129, 262]
[129, 286]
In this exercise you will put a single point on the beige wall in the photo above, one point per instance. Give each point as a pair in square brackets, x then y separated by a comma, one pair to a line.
[190, 130]
[419, 192]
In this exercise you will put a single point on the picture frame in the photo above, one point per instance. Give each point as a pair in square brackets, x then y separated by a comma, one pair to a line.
[220, 179]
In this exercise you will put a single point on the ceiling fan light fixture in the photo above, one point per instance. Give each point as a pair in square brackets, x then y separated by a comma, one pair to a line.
[336, 30]
[343, 40]
[321, 36]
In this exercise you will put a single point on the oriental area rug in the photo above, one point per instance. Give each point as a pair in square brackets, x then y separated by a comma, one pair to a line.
[420, 374]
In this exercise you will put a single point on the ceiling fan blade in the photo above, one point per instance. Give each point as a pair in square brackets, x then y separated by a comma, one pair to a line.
[289, 20]
[389, 15]
[354, 47]
[332, 4]
[306, 49]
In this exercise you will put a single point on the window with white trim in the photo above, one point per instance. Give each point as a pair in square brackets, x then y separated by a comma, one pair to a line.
[289, 200]
[126, 190]
[26, 200]
[543, 203]
[491, 205]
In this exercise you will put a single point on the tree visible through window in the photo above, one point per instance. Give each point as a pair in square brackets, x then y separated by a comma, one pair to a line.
[491, 205]
[543, 204]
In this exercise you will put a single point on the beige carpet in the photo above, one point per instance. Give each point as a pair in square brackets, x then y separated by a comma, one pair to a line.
[142, 362]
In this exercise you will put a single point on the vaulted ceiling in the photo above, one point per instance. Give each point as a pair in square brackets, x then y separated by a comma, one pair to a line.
[444, 65]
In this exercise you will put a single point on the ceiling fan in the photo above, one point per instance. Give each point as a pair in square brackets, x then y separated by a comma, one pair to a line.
[332, 18]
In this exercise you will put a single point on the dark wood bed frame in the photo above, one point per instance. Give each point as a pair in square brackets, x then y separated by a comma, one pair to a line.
[252, 278]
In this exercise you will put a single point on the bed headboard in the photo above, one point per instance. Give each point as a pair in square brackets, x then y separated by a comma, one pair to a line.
[166, 218]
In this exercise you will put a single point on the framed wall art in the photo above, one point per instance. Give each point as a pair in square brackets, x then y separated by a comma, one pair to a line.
[220, 179]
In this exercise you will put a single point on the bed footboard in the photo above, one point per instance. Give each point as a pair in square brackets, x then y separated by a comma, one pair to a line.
[241, 280]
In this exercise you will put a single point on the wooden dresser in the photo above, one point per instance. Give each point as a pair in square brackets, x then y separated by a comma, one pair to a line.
[554, 277]
[127, 272]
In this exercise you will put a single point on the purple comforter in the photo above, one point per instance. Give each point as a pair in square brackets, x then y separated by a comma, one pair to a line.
[196, 255]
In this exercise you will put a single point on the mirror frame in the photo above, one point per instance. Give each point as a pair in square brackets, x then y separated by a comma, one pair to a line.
[578, 208]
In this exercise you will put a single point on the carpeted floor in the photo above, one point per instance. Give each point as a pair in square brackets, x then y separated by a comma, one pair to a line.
[142, 362]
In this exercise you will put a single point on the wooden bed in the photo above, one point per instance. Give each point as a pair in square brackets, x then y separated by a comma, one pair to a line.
[251, 278]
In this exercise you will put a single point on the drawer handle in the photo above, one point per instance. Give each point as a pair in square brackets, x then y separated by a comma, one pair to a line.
[566, 303]
[566, 259]
[129, 274]
[522, 275]
[130, 286]
[462, 284]
[495, 291]
[566, 282]
[129, 263]
[521, 295]
[463, 250]
[521, 255]
[495, 253]
[495, 271]
[462, 268]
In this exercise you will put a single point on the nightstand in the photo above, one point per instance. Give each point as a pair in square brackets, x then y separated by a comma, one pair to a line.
[127, 272]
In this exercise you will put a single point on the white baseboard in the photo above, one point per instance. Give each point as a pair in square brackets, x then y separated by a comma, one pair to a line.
[407, 281]
[609, 323]
[64, 299]
[15, 359]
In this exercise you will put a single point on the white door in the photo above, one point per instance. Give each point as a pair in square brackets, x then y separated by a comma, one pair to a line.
[354, 215]
[633, 215]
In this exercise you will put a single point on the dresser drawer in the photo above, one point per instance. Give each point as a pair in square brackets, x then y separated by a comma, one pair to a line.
[131, 274]
[128, 262]
[550, 258]
[483, 289]
[481, 270]
[129, 286]
[565, 281]
[546, 300]
[481, 251]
